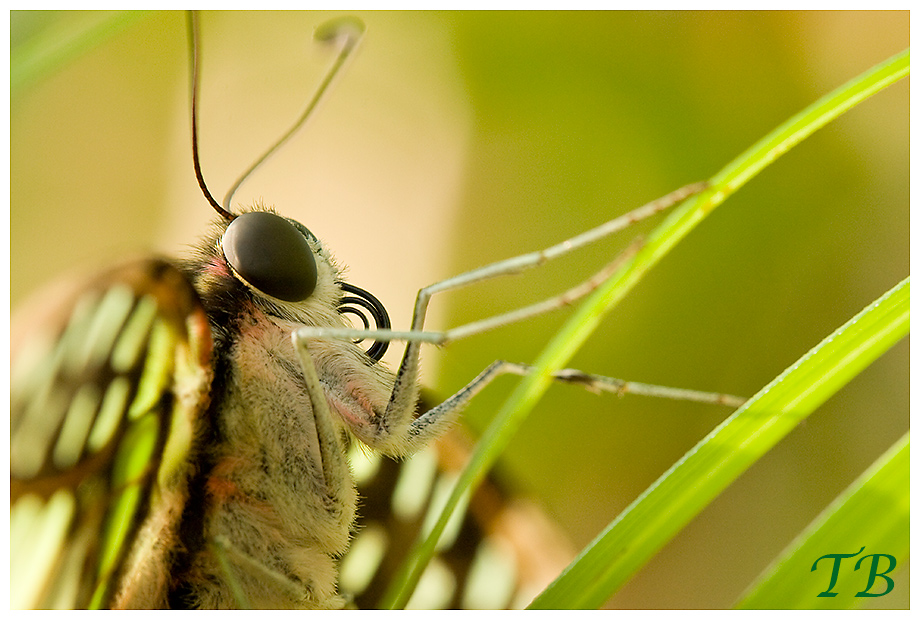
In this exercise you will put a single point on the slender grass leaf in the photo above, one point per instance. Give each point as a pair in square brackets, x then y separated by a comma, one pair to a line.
[589, 314]
[706, 470]
[871, 517]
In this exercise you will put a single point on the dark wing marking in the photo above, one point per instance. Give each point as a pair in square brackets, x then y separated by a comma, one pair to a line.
[107, 391]
[498, 553]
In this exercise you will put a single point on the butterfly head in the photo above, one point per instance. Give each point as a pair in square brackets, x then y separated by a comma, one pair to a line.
[280, 264]
[273, 261]
[281, 268]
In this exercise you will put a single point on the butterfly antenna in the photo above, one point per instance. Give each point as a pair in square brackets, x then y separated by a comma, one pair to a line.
[347, 31]
[194, 46]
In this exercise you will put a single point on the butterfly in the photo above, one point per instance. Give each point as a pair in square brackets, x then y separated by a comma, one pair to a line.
[179, 429]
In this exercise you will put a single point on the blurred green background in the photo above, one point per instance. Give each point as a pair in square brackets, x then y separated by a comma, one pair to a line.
[455, 139]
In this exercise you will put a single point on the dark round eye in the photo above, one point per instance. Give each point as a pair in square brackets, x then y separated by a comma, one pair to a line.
[271, 255]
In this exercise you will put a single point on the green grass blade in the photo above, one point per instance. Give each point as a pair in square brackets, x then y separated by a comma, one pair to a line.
[812, 118]
[60, 41]
[873, 513]
[714, 463]
[589, 314]
[583, 322]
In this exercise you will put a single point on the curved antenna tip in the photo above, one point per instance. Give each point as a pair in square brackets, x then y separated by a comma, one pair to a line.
[345, 31]
[346, 26]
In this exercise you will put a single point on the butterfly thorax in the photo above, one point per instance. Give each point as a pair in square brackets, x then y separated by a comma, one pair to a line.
[260, 493]
[263, 491]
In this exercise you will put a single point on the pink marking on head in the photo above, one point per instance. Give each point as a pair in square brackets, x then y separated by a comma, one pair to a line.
[218, 267]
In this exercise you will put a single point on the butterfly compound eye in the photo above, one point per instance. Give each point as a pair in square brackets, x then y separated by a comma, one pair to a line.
[271, 255]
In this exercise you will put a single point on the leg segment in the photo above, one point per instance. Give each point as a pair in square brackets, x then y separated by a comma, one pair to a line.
[401, 406]
[332, 468]
[429, 424]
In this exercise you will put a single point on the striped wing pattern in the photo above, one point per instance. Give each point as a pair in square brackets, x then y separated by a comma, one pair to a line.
[498, 552]
[106, 396]
[109, 384]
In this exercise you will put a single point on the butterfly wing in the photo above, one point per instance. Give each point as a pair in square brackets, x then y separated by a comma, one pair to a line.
[498, 552]
[108, 389]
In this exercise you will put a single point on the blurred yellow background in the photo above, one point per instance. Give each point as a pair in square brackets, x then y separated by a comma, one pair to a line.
[455, 139]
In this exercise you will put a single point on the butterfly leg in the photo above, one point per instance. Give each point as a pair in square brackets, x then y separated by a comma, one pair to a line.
[428, 425]
[396, 431]
[333, 468]
[398, 419]
[230, 559]
[318, 517]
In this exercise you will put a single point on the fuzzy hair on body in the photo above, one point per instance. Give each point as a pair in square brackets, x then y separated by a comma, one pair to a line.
[264, 492]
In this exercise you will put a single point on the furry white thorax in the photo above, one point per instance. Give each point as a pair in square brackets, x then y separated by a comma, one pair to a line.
[269, 494]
